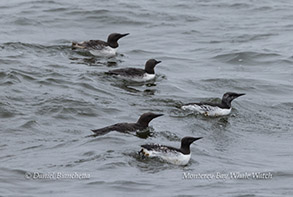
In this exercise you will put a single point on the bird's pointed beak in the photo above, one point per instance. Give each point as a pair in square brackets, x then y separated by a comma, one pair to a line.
[157, 62]
[158, 115]
[122, 35]
[240, 94]
[197, 138]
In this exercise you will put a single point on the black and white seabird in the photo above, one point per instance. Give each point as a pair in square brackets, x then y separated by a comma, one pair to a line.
[137, 74]
[177, 156]
[214, 109]
[141, 124]
[101, 48]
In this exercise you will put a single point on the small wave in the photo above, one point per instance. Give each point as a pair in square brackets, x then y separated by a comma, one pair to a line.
[37, 48]
[247, 57]
[262, 8]
[228, 5]
[168, 135]
[64, 108]
[29, 124]
[240, 5]
[56, 10]
[37, 4]
[10, 78]
[23, 21]
[244, 38]
[7, 110]
[11, 59]
[283, 174]
[32, 147]
[88, 12]
[5, 113]
[237, 84]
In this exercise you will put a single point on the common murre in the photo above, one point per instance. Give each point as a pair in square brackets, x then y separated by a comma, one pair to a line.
[214, 109]
[177, 156]
[141, 124]
[101, 48]
[137, 74]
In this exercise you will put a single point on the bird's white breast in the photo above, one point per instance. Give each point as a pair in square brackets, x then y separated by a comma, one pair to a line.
[145, 77]
[176, 158]
[104, 52]
[207, 110]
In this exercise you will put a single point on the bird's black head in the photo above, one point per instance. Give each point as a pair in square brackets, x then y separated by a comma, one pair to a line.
[228, 97]
[145, 118]
[150, 65]
[185, 144]
[113, 39]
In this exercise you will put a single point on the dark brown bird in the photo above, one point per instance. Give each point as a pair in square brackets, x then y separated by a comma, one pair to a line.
[99, 47]
[141, 124]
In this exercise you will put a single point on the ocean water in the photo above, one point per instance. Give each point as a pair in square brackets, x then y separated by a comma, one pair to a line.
[52, 96]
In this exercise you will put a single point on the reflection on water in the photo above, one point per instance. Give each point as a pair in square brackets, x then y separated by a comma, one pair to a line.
[94, 61]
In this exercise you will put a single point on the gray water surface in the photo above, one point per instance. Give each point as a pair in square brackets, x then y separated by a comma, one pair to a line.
[52, 96]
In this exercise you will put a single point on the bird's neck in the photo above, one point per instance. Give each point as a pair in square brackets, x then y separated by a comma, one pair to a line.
[185, 149]
[149, 70]
[226, 104]
[142, 123]
[113, 44]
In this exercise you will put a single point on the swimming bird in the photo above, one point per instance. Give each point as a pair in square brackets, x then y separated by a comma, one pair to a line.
[141, 124]
[214, 109]
[137, 74]
[101, 48]
[177, 156]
